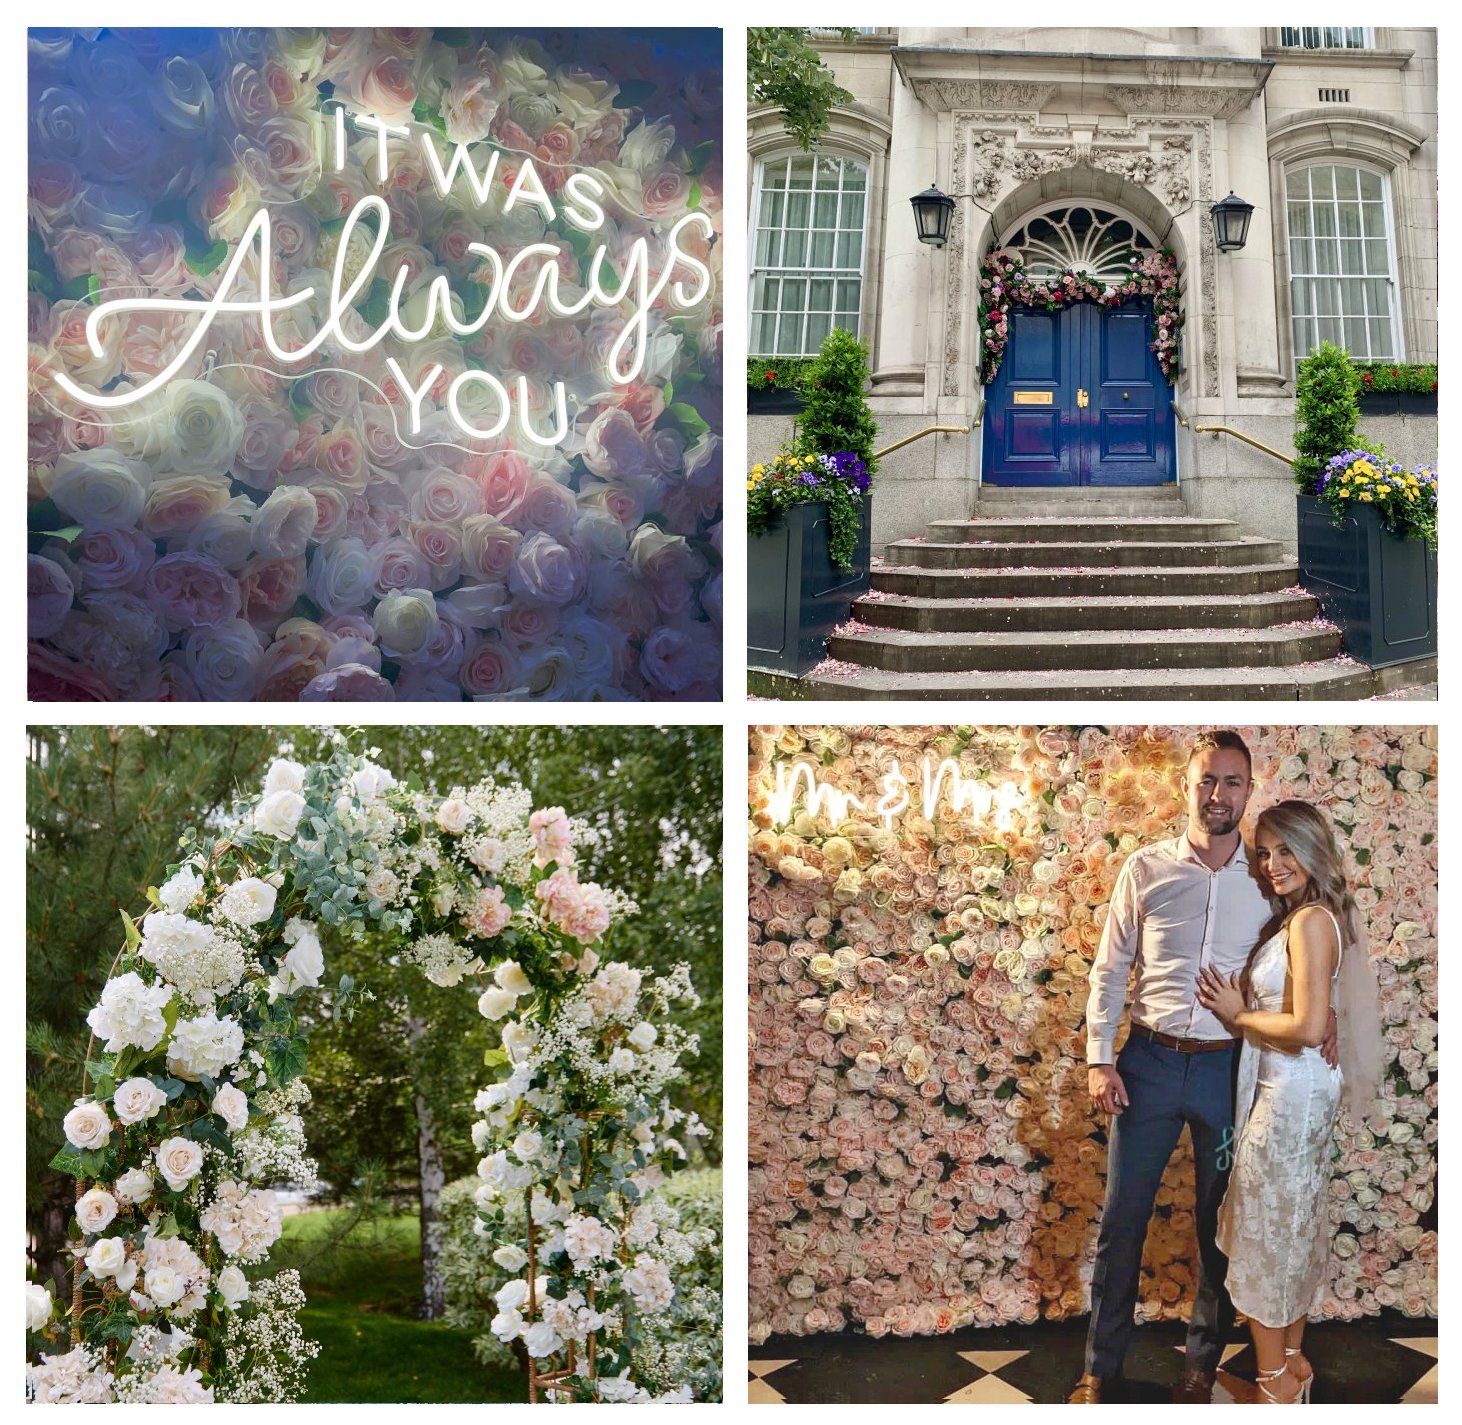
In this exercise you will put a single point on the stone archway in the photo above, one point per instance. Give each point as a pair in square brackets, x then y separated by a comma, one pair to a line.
[192, 1102]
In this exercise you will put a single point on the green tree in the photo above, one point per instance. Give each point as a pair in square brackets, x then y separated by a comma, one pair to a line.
[1327, 407]
[836, 417]
[104, 808]
[783, 69]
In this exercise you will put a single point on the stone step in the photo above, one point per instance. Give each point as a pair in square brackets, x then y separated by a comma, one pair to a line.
[1084, 529]
[1009, 615]
[930, 554]
[1191, 583]
[901, 651]
[1339, 678]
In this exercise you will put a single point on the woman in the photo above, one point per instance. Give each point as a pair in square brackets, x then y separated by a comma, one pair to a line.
[1273, 1225]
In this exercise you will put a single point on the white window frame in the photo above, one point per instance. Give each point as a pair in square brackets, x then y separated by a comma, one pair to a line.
[834, 274]
[1392, 279]
[1368, 37]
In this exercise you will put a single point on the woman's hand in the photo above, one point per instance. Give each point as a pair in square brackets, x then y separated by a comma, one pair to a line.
[1221, 996]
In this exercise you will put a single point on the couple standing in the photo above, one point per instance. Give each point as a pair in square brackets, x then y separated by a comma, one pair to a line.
[1272, 972]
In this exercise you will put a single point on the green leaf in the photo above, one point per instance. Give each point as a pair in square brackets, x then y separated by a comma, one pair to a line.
[495, 1058]
[376, 309]
[77, 289]
[40, 282]
[286, 1058]
[453, 38]
[173, 1088]
[701, 155]
[686, 419]
[134, 936]
[201, 255]
[693, 198]
[68, 1161]
[168, 1228]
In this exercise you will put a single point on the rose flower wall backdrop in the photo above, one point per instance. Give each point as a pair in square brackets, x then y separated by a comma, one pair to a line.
[374, 364]
[924, 1155]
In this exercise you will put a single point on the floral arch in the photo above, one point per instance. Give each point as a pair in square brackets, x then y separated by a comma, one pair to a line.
[193, 1098]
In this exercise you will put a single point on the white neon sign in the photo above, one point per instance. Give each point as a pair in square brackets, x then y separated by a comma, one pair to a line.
[581, 207]
[822, 800]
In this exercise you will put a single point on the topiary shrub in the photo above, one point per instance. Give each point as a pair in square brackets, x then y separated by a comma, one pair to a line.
[1326, 410]
[836, 418]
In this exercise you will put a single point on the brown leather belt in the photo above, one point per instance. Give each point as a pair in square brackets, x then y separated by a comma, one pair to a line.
[1184, 1046]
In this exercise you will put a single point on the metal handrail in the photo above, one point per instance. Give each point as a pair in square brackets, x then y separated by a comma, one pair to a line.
[919, 435]
[1178, 412]
[1248, 440]
[979, 415]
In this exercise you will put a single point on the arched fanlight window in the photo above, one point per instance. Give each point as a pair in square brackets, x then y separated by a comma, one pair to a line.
[1080, 238]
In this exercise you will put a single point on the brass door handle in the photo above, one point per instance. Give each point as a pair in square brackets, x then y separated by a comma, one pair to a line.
[1082, 399]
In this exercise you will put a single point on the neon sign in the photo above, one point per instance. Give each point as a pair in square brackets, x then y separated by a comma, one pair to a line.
[965, 796]
[581, 207]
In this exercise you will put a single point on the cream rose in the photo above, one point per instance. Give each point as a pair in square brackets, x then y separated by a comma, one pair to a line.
[233, 1286]
[100, 489]
[454, 816]
[107, 1257]
[180, 1161]
[405, 622]
[232, 1106]
[137, 1100]
[510, 977]
[278, 814]
[87, 1126]
[134, 1186]
[95, 1210]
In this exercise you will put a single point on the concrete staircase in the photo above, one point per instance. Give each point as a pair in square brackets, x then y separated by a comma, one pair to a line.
[1077, 594]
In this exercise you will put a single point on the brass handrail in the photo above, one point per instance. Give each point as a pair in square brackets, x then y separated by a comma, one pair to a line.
[1248, 440]
[919, 435]
[1178, 412]
[979, 415]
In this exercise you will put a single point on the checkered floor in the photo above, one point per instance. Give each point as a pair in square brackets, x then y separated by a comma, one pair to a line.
[1385, 1360]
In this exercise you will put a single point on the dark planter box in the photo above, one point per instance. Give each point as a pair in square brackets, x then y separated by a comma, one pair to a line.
[773, 401]
[796, 595]
[1398, 403]
[1380, 590]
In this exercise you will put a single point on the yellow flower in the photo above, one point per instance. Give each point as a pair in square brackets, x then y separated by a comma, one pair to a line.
[1344, 494]
[1366, 496]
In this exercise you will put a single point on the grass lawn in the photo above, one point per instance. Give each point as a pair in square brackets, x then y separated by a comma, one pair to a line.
[364, 1291]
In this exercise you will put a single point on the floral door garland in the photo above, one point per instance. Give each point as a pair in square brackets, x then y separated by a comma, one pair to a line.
[1004, 283]
[193, 1098]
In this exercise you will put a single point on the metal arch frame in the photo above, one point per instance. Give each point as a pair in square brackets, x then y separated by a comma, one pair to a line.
[1086, 254]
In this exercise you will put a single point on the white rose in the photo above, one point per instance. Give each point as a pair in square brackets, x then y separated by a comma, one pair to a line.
[621, 1061]
[383, 884]
[137, 1100]
[100, 489]
[38, 1306]
[205, 428]
[494, 1003]
[305, 961]
[95, 1210]
[107, 1257]
[405, 622]
[370, 783]
[279, 813]
[643, 1035]
[454, 816]
[284, 776]
[127, 1277]
[282, 525]
[134, 1186]
[164, 1286]
[511, 977]
[527, 1145]
[249, 901]
[233, 1286]
[87, 1126]
[511, 1258]
[541, 1339]
[180, 1161]
[518, 1040]
[507, 1325]
[233, 1107]
[511, 1295]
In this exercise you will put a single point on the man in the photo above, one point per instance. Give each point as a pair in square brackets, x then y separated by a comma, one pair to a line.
[1177, 906]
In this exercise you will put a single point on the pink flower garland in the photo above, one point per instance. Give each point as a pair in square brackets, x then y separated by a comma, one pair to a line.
[1004, 283]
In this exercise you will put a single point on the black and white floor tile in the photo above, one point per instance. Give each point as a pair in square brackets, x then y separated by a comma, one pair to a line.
[1388, 1359]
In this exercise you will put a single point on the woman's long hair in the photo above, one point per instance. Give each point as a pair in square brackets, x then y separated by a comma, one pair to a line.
[1308, 834]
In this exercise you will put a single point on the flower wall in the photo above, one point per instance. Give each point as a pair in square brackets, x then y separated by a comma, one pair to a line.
[356, 524]
[924, 1155]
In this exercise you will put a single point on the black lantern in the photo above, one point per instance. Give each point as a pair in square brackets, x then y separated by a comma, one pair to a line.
[932, 212]
[1231, 222]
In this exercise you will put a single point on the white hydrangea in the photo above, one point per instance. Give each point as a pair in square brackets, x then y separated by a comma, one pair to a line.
[205, 1045]
[180, 890]
[79, 1377]
[246, 1221]
[130, 1013]
[168, 1385]
[587, 1239]
[613, 992]
[648, 1282]
[248, 901]
[193, 956]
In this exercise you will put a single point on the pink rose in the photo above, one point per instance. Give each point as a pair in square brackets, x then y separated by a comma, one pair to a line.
[349, 683]
[547, 570]
[191, 591]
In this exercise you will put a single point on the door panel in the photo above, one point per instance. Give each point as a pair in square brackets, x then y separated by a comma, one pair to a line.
[1038, 431]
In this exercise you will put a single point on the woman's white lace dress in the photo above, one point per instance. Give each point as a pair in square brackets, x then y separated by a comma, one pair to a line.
[1273, 1225]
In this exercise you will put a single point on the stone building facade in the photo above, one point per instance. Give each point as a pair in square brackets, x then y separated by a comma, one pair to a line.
[1329, 133]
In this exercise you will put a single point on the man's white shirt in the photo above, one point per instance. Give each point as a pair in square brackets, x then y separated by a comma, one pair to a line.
[1170, 915]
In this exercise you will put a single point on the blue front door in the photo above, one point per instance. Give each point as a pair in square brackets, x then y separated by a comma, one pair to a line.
[1079, 400]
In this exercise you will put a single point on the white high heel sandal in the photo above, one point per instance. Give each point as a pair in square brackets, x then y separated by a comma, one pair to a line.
[1307, 1382]
[1262, 1376]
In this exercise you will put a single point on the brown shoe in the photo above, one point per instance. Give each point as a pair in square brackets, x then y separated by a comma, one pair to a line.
[1195, 1388]
[1087, 1391]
